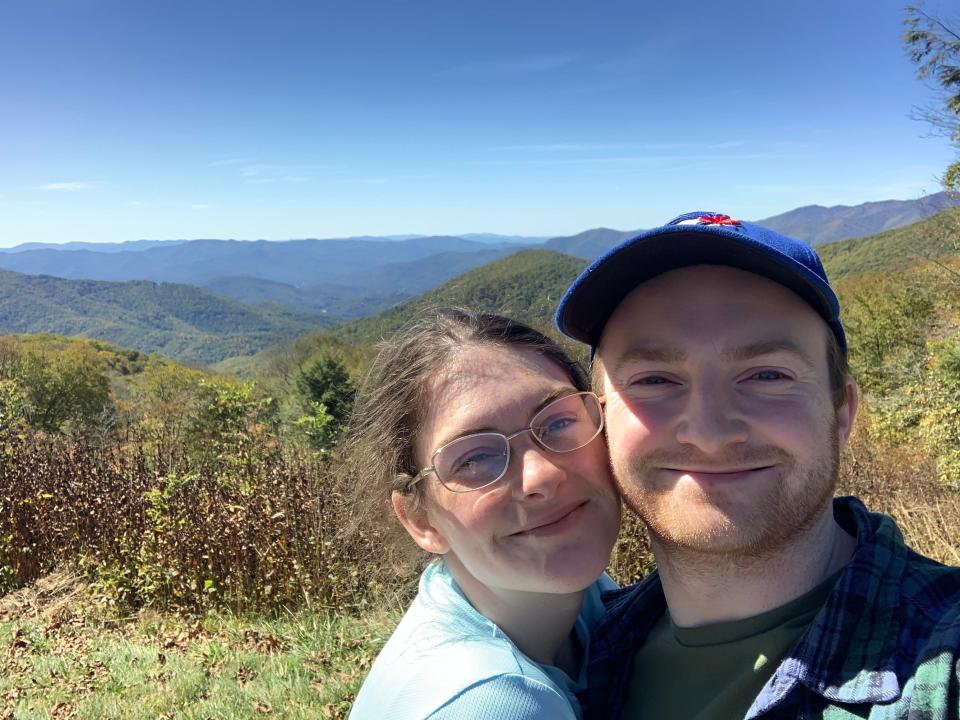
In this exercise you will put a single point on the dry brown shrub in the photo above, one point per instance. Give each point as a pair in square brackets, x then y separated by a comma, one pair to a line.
[191, 541]
[901, 481]
[196, 540]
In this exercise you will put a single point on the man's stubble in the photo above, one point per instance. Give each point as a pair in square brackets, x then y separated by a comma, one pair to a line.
[739, 524]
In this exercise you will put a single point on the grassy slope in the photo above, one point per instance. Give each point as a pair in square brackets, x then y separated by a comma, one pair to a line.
[62, 656]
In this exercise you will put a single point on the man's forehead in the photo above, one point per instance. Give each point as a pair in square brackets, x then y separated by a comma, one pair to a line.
[741, 312]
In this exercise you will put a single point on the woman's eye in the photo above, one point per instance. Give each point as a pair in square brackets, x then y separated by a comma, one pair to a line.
[554, 426]
[470, 463]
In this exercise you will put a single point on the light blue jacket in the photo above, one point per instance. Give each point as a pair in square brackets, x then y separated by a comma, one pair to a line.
[446, 661]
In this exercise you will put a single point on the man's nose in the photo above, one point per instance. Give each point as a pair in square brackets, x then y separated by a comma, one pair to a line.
[711, 420]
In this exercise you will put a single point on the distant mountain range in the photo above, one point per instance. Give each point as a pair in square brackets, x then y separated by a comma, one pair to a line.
[529, 284]
[525, 285]
[814, 224]
[341, 278]
[589, 244]
[818, 224]
[203, 300]
[192, 324]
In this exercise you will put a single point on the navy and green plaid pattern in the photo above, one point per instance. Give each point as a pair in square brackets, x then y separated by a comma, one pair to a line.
[885, 645]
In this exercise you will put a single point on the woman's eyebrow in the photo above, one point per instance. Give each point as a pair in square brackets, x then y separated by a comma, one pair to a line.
[555, 394]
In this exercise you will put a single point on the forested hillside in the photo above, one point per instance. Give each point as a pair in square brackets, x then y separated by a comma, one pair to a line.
[180, 321]
[526, 285]
[917, 243]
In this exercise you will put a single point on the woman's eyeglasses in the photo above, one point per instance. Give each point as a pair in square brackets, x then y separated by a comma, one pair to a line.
[475, 461]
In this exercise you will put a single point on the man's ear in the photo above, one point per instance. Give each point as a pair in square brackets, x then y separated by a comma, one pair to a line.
[413, 517]
[847, 413]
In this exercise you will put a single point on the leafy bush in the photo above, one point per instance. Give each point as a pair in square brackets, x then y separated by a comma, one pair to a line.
[187, 541]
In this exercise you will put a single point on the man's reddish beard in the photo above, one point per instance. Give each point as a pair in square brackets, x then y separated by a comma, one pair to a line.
[739, 526]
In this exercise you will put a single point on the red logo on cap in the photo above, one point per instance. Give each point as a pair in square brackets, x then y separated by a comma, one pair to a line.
[717, 220]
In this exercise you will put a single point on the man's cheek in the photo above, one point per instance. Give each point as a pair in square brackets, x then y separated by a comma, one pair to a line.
[626, 431]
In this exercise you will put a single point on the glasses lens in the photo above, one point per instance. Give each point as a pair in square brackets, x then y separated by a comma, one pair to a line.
[568, 423]
[472, 462]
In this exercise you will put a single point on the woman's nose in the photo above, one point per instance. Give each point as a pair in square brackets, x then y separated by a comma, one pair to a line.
[539, 470]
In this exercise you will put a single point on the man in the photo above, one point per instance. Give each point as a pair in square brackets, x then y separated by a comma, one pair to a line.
[718, 347]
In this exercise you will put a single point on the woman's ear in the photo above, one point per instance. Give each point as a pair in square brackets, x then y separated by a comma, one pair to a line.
[413, 517]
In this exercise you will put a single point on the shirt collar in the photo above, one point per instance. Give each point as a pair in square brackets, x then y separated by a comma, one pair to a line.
[848, 654]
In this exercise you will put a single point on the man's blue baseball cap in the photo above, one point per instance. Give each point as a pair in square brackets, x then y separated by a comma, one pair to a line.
[696, 238]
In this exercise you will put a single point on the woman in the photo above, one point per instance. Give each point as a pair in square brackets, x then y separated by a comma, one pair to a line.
[490, 445]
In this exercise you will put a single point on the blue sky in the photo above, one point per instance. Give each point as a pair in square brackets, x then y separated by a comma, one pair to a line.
[128, 119]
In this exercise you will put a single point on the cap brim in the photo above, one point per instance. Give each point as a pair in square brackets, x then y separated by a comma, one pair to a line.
[595, 294]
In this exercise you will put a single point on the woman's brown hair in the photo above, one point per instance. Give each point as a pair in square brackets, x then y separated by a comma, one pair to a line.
[389, 408]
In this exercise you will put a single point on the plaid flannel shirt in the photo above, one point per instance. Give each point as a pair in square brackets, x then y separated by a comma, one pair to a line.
[885, 645]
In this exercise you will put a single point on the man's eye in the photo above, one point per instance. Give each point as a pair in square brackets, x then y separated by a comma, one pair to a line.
[650, 380]
[769, 375]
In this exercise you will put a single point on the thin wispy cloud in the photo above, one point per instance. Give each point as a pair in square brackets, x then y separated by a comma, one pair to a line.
[530, 64]
[575, 147]
[365, 181]
[776, 189]
[263, 173]
[231, 161]
[664, 155]
[69, 186]
[279, 179]
[565, 147]
[883, 191]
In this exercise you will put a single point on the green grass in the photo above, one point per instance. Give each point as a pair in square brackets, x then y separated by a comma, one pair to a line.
[73, 660]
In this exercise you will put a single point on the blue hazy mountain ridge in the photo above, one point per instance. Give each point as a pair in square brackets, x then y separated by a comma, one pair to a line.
[817, 224]
[813, 223]
[590, 243]
[180, 321]
[334, 301]
[373, 289]
[295, 262]
[486, 238]
[353, 277]
[127, 246]
[342, 278]
[493, 238]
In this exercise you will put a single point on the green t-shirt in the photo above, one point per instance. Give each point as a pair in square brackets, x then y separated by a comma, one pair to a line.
[716, 671]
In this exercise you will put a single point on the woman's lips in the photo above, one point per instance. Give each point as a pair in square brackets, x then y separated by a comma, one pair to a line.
[554, 524]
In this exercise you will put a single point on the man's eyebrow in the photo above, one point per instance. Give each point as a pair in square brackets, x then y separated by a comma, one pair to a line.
[769, 347]
[664, 354]
[649, 353]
